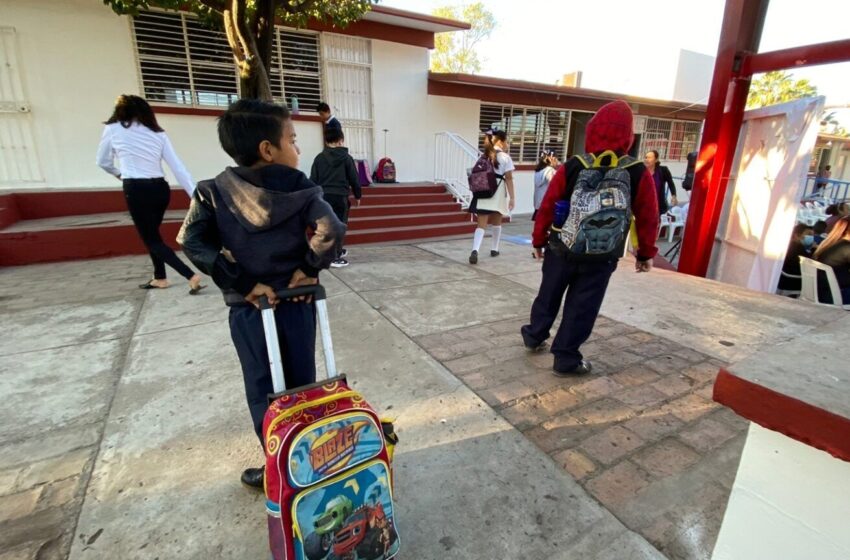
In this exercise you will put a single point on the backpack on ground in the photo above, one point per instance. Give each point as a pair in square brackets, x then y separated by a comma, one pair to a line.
[385, 171]
[597, 227]
[483, 179]
[328, 476]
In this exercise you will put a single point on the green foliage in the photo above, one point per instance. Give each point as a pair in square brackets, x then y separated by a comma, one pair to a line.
[778, 87]
[456, 51]
[296, 13]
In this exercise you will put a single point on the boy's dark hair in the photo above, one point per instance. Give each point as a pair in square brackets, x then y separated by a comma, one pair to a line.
[820, 227]
[322, 107]
[800, 228]
[246, 124]
[333, 135]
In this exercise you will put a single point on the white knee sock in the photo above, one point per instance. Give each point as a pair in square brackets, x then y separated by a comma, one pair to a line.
[477, 239]
[497, 236]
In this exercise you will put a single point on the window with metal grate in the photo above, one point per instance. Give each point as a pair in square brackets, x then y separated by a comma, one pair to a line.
[530, 130]
[673, 140]
[183, 62]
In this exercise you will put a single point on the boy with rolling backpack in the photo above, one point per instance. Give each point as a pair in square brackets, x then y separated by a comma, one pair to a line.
[327, 476]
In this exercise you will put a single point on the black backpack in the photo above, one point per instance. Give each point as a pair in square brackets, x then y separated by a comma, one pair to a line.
[597, 227]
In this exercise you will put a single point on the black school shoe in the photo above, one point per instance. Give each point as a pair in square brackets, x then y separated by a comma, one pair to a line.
[494, 253]
[583, 368]
[253, 478]
[473, 257]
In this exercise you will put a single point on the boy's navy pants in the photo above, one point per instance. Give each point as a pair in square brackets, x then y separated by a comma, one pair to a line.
[296, 330]
[585, 285]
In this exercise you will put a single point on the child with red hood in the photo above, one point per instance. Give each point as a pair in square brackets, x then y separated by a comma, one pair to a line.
[585, 282]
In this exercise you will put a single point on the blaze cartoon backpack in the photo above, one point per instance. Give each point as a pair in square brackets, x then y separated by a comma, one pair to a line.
[385, 172]
[483, 180]
[597, 227]
[328, 479]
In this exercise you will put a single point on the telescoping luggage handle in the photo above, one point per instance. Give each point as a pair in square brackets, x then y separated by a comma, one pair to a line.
[270, 330]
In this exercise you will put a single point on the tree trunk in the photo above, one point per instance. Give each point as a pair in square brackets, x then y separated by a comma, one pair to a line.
[253, 75]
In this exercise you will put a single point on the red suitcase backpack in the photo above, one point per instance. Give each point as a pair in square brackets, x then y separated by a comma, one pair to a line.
[328, 481]
[385, 171]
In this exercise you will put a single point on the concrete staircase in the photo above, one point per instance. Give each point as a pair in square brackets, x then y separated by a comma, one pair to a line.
[52, 226]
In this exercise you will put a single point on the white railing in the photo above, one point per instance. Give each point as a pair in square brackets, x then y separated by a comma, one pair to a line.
[453, 159]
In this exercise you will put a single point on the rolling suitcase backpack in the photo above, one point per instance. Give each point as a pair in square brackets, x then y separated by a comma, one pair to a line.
[328, 480]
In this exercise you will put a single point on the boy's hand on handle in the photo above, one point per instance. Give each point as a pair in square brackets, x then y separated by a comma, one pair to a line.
[300, 279]
[259, 291]
[643, 266]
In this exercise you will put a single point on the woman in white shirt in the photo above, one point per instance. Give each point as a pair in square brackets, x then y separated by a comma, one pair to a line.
[491, 211]
[134, 137]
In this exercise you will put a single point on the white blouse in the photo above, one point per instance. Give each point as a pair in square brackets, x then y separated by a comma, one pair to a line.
[140, 152]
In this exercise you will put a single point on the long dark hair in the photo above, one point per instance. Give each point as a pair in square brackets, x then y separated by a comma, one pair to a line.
[839, 231]
[132, 108]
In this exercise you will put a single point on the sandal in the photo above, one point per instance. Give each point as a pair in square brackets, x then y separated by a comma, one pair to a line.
[149, 285]
[196, 291]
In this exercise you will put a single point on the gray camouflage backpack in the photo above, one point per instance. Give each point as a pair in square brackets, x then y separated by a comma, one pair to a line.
[597, 227]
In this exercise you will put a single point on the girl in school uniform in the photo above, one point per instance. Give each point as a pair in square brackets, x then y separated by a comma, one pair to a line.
[492, 211]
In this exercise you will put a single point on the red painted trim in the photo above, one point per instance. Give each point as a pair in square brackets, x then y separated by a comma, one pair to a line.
[9, 213]
[488, 88]
[526, 167]
[55, 204]
[807, 55]
[382, 31]
[459, 25]
[197, 111]
[796, 419]
[743, 21]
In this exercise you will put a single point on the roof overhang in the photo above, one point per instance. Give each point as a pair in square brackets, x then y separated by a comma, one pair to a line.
[487, 88]
[413, 20]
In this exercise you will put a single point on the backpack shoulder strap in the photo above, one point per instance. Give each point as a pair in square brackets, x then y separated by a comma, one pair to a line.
[586, 160]
[627, 161]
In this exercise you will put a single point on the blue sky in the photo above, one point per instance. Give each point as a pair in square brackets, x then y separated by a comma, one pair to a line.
[538, 40]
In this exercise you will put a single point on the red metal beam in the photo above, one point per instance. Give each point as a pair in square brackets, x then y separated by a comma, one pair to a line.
[743, 21]
[807, 55]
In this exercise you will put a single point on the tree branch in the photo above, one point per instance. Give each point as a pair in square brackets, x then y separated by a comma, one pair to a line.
[231, 34]
[301, 7]
[215, 5]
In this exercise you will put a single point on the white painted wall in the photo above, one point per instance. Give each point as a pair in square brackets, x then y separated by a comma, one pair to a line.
[790, 502]
[693, 77]
[77, 57]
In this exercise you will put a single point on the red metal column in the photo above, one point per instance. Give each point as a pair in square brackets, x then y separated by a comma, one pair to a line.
[742, 24]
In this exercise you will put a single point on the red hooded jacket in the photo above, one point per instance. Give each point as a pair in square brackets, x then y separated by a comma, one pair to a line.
[610, 129]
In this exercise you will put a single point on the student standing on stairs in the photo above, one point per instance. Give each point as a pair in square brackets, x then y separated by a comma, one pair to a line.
[334, 170]
[493, 210]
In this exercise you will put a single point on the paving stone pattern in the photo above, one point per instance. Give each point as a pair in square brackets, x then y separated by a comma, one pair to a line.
[641, 433]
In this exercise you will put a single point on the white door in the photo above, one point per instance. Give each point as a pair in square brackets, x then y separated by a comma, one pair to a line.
[767, 182]
[348, 79]
[18, 158]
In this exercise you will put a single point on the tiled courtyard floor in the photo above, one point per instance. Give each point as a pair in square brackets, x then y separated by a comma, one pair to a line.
[641, 433]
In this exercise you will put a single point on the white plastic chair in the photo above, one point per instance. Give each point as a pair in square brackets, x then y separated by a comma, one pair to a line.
[805, 215]
[809, 269]
[789, 293]
[677, 223]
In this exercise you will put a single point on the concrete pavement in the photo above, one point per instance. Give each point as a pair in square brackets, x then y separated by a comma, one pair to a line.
[127, 427]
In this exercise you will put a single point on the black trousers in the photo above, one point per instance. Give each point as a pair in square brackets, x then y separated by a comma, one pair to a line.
[296, 330]
[585, 285]
[339, 204]
[147, 200]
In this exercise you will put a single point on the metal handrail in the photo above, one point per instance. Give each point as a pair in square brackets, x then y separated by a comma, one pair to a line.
[454, 156]
[834, 191]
